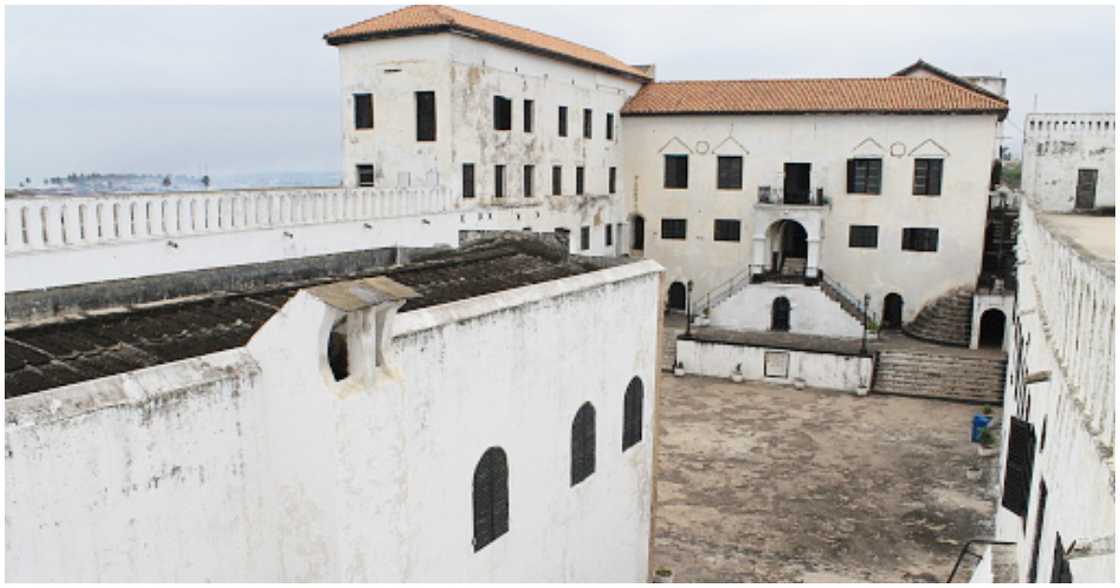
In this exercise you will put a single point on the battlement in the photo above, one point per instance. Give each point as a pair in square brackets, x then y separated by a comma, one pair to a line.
[1070, 124]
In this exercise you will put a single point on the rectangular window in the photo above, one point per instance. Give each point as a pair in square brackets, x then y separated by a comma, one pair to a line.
[585, 238]
[729, 172]
[610, 126]
[927, 177]
[528, 116]
[1019, 468]
[363, 111]
[674, 228]
[608, 236]
[919, 239]
[468, 180]
[612, 177]
[425, 116]
[562, 124]
[863, 236]
[499, 181]
[528, 181]
[557, 180]
[865, 176]
[365, 175]
[726, 230]
[676, 171]
[579, 180]
[586, 123]
[503, 113]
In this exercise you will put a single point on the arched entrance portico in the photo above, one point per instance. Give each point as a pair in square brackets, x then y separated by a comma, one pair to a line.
[788, 246]
[993, 324]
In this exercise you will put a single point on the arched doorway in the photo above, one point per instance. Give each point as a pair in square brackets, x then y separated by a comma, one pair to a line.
[677, 294]
[892, 311]
[779, 314]
[638, 233]
[992, 325]
[789, 247]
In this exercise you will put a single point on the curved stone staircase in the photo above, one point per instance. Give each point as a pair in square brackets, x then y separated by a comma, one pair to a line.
[947, 320]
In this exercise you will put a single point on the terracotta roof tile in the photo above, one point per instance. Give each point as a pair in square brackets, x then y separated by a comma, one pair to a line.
[430, 19]
[889, 95]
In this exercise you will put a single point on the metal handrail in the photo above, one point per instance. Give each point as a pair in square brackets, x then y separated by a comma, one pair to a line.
[964, 550]
[843, 293]
[724, 290]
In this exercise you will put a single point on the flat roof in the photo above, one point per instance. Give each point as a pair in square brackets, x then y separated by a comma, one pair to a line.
[1094, 235]
[46, 356]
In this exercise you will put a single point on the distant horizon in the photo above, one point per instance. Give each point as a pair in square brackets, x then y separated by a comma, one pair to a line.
[255, 90]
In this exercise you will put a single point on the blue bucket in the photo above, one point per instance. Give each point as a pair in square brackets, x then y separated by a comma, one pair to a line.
[979, 423]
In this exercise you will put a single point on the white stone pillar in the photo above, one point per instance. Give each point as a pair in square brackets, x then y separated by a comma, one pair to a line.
[813, 262]
[759, 254]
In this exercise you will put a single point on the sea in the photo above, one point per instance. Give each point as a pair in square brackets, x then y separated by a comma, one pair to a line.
[121, 183]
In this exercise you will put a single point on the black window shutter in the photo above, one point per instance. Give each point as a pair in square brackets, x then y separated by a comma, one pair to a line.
[935, 167]
[1060, 572]
[875, 176]
[490, 497]
[851, 176]
[1020, 465]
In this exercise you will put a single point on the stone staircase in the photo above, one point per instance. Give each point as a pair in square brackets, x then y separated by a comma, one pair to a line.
[948, 376]
[947, 320]
[794, 266]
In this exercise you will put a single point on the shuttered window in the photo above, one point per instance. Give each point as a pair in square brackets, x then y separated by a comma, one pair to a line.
[363, 111]
[1020, 467]
[726, 230]
[562, 124]
[468, 180]
[863, 236]
[425, 116]
[365, 176]
[557, 180]
[632, 414]
[586, 123]
[490, 495]
[610, 126]
[585, 238]
[612, 177]
[865, 176]
[729, 172]
[674, 228]
[528, 116]
[583, 443]
[503, 113]
[676, 171]
[608, 235]
[927, 177]
[527, 181]
[579, 180]
[916, 239]
[499, 181]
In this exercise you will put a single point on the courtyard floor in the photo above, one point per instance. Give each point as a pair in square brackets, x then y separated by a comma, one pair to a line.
[762, 483]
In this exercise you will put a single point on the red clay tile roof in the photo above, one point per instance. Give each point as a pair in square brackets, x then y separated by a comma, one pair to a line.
[836, 95]
[921, 64]
[432, 19]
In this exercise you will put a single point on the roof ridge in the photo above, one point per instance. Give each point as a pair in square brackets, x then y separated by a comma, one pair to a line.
[824, 79]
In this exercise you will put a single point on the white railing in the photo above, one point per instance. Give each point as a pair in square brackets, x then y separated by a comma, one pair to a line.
[50, 222]
[1076, 297]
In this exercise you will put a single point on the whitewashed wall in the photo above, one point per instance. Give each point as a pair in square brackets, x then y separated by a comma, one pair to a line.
[254, 464]
[1055, 146]
[58, 241]
[817, 370]
[811, 312]
[1071, 330]
[965, 142]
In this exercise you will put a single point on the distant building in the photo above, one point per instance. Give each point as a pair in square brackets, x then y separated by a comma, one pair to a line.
[1069, 160]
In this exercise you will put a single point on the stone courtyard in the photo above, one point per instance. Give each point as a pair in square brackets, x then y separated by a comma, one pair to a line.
[761, 483]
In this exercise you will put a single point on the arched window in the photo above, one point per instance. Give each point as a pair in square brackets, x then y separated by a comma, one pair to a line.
[490, 494]
[779, 314]
[632, 414]
[583, 443]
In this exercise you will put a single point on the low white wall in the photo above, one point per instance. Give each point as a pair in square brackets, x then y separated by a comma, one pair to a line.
[54, 241]
[816, 370]
[253, 464]
[811, 312]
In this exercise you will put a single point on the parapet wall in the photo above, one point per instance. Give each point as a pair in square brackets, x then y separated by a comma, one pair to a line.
[1057, 146]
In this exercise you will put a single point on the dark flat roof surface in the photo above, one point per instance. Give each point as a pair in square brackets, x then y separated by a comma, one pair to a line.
[47, 356]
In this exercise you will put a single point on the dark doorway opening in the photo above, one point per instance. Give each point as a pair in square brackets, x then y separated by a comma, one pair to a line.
[677, 294]
[796, 183]
[792, 248]
[779, 314]
[638, 238]
[1086, 189]
[892, 311]
[992, 325]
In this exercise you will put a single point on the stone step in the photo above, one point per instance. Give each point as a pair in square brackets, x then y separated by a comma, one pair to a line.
[952, 377]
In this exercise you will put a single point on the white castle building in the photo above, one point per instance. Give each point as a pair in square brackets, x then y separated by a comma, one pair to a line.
[272, 400]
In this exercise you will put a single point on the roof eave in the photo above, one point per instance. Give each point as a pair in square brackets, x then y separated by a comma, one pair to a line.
[475, 33]
[1001, 113]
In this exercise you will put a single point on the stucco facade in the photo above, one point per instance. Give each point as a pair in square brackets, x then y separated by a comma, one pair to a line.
[766, 142]
[1068, 154]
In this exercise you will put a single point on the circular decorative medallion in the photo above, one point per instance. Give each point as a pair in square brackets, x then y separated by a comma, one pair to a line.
[702, 147]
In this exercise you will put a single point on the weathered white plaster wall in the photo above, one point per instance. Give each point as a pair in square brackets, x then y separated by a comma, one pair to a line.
[58, 241]
[254, 464]
[982, 302]
[811, 312]
[965, 142]
[817, 370]
[1056, 145]
[1071, 330]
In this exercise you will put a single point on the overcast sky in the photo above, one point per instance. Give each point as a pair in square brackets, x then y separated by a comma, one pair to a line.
[255, 89]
